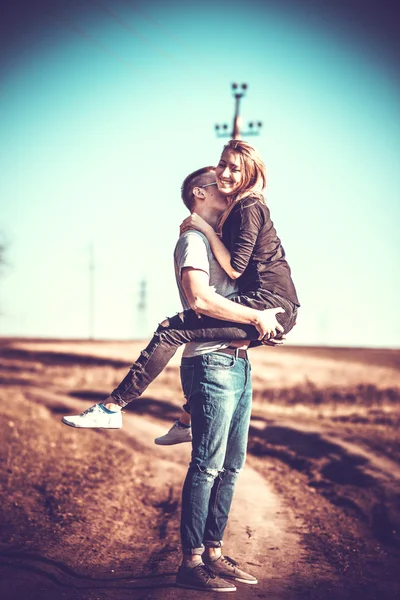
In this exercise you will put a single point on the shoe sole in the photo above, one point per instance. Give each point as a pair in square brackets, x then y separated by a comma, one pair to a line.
[248, 581]
[87, 426]
[227, 576]
[205, 589]
[171, 443]
[245, 580]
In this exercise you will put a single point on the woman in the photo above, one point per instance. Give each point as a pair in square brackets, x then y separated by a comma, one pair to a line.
[250, 251]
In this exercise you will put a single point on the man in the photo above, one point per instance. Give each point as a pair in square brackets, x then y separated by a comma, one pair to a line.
[217, 386]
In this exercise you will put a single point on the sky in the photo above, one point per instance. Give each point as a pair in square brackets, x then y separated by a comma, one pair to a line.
[106, 106]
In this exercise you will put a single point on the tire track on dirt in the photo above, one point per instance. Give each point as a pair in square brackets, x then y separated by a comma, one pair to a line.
[346, 472]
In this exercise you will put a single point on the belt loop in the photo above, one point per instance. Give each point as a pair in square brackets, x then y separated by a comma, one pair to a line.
[237, 353]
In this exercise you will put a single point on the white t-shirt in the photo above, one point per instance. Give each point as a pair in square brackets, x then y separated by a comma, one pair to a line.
[193, 250]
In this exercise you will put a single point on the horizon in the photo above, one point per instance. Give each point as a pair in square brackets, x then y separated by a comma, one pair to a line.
[106, 107]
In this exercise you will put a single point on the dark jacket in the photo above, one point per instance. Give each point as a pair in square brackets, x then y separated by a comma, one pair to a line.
[256, 251]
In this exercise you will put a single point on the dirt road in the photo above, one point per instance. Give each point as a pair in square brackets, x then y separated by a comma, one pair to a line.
[95, 514]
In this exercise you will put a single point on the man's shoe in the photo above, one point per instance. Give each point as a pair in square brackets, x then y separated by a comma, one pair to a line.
[229, 568]
[95, 416]
[202, 577]
[176, 435]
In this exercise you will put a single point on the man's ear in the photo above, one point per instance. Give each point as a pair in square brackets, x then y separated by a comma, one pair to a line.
[198, 192]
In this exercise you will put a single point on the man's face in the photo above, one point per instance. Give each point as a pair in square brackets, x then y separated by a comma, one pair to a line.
[213, 197]
[228, 172]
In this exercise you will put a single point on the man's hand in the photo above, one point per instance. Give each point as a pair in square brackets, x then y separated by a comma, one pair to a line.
[274, 341]
[194, 221]
[267, 324]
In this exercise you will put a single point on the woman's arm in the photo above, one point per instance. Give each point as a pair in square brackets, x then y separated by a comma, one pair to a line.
[242, 230]
[220, 251]
[244, 226]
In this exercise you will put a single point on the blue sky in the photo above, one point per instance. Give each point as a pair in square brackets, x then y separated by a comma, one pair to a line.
[104, 110]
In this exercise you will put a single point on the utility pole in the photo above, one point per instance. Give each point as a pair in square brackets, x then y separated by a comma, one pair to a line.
[142, 306]
[253, 126]
[91, 292]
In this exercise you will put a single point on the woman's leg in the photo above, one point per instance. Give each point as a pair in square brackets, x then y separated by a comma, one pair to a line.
[188, 327]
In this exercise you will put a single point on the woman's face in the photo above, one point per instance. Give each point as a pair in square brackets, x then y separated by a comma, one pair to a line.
[228, 172]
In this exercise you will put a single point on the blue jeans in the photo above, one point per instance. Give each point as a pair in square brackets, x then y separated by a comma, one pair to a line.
[218, 389]
[188, 327]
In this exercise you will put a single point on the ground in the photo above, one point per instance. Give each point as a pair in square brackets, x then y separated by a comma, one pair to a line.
[93, 514]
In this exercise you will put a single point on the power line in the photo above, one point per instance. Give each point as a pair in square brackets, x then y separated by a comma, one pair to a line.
[103, 6]
[60, 17]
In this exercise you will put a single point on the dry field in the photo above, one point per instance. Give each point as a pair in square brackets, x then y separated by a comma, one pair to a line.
[95, 514]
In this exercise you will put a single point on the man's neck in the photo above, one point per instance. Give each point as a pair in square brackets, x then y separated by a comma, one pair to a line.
[210, 216]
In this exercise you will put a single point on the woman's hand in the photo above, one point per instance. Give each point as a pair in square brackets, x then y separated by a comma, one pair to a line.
[194, 221]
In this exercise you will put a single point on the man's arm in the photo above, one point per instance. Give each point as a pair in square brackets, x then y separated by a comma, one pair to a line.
[203, 299]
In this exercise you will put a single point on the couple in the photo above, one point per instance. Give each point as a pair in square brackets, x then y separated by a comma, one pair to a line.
[215, 370]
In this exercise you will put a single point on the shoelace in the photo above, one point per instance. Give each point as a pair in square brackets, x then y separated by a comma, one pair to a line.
[89, 410]
[230, 561]
[206, 571]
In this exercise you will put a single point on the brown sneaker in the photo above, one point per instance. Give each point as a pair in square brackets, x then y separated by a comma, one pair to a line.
[229, 568]
[202, 577]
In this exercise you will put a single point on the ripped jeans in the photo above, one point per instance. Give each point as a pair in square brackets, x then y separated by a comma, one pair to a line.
[218, 389]
[189, 327]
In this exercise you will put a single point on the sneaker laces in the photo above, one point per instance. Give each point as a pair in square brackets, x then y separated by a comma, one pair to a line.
[178, 425]
[96, 409]
[230, 561]
[206, 571]
[89, 410]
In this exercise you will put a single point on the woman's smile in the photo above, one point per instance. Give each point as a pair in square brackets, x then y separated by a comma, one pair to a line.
[228, 172]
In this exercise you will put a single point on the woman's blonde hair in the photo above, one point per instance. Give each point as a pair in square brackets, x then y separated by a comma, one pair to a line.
[254, 177]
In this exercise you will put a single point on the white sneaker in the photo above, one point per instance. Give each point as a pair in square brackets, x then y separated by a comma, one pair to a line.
[95, 416]
[176, 435]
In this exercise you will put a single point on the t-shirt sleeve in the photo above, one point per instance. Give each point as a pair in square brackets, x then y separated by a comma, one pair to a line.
[247, 222]
[191, 251]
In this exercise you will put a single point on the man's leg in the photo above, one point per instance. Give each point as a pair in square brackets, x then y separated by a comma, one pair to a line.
[209, 382]
[224, 487]
[222, 493]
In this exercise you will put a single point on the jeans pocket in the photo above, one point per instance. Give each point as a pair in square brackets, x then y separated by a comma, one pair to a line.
[187, 376]
[218, 360]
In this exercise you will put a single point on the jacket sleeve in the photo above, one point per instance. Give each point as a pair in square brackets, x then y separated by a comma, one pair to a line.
[246, 224]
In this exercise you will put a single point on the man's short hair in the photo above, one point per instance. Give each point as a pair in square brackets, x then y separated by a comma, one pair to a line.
[195, 179]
